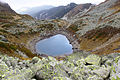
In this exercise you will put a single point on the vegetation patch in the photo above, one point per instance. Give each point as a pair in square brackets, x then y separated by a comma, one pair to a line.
[73, 28]
[10, 50]
[9, 25]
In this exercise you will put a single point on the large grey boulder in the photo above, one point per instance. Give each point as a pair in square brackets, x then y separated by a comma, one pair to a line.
[102, 72]
[93, 59]
[50, 70]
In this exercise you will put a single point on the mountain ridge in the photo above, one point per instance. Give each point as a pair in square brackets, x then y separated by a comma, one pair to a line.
[77, 9]
[56, 12]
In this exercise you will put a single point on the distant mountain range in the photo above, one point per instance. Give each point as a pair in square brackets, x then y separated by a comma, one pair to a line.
[33, 10]
[50, 12]
[54, 13]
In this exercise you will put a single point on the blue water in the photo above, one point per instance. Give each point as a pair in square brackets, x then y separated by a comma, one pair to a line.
[54, 46]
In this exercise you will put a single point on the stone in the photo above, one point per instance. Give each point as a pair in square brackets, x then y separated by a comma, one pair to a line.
[35, 60]
[51, 58]
[61, 78]
[24, 74]
[8, 63]
[28, 73]
[95, 78]
[3, 68]
[81, 62]
[93, 59]
[102, 72]
[68, 66]
[109, 62]
[48, 72]
[115, 70]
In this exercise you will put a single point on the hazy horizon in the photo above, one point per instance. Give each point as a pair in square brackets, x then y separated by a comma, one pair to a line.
[23, 4]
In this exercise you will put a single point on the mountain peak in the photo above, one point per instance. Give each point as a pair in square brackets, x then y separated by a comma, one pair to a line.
[72, 4]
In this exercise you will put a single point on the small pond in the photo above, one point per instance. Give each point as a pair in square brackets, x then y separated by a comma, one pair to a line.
[54, 46]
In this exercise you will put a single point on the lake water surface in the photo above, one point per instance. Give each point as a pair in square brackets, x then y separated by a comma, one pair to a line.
[54, 46]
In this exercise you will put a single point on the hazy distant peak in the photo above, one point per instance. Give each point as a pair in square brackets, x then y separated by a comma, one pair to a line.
[33, 10]
[72, 4]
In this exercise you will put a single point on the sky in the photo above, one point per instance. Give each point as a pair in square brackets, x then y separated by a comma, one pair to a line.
[19, 4]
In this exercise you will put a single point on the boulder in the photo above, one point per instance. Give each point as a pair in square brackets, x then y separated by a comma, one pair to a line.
[24, 74]
[3, 68]
[61, 78]
[102, 72]
[94, 78]
[93, 59]
[115, 70]
[35, 60]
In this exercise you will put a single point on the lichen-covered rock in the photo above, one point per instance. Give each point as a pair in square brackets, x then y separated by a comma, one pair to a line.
[10, 61]
[94, 78]
[3, 68]
[24, 74]
[13, 75]
[115, 70]
[36, 67]
[48, 72]
[80, 62]
[92, 67]
[77, 74]
[35, 60]
[108, 63]
[28, 73]
[102, 72]
[61, 78]
[76, 56]
[93, 59]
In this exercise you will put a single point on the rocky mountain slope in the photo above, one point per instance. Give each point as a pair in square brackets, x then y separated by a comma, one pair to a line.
[98, 28]
[55, 13]
[77, 9]
[92, 31]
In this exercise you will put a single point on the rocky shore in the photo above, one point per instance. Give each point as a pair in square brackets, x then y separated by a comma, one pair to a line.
[77, 66]
[73, 40]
